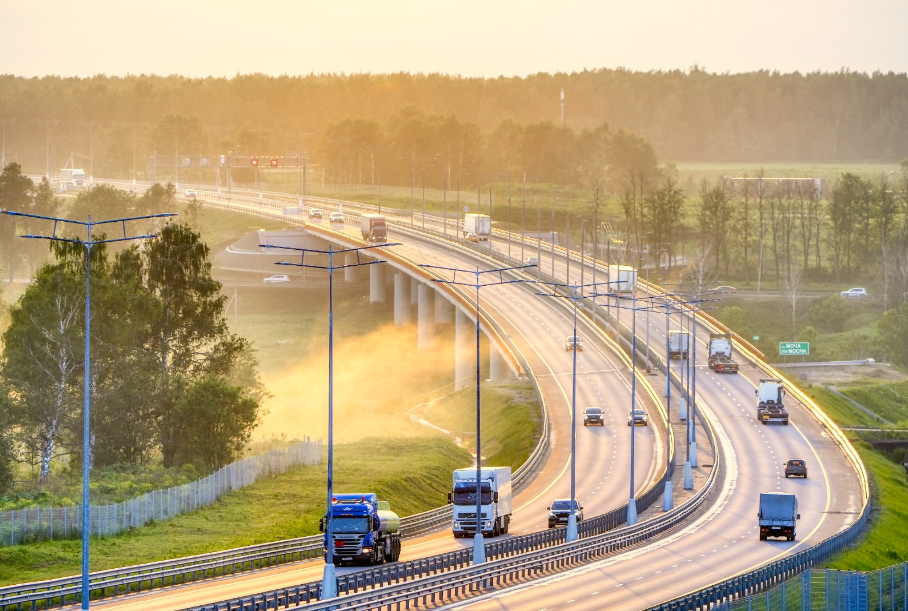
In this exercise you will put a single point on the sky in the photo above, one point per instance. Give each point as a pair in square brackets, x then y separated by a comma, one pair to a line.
[490, 38]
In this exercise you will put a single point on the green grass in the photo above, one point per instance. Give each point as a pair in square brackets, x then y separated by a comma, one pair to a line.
[413, 474]
[885, 542]
[889, 401]
[838, 408]
[511, 421]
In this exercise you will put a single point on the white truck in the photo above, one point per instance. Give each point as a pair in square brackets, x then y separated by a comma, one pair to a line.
[770, 407]
[720, 348]
[72, 176]
[622, 279]
[495, 501]
[480, 224]
[678, 342]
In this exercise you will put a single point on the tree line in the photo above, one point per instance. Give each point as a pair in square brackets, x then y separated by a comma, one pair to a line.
[168, 379]
[687, 115]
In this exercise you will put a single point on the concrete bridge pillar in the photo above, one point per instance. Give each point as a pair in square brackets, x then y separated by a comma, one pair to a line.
[464, 351]
[443, 310]
[426, 316]
[351, 274]
[498, 366]
[377, 283]
[401, 299]
[414, 291]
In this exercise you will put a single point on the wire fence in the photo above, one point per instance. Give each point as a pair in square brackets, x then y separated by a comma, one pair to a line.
[41, 523]
[831, 590]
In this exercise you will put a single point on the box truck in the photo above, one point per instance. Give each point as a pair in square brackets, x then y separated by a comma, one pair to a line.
[494, 488]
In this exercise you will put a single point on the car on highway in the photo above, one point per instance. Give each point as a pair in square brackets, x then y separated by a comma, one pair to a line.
[315, 213]
[796, 467]
[725, 289]
[277, 278]
[471, 237]
[190, 194]
[532, 261]
[593, 415]
[855, 292]
[573, 342]
[560, 512]
[336, 217]
[637, 416]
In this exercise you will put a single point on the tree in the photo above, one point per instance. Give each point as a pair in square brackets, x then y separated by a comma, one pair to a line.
[188, 339]
[892, 335]
[663, 214]
[831, 314]
[216, 420]
[16, 192]
[42, 362]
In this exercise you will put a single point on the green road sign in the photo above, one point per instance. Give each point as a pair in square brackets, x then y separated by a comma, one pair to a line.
[756, 338]
[794, 348]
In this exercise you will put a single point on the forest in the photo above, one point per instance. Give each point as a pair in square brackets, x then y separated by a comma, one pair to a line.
[475, 128]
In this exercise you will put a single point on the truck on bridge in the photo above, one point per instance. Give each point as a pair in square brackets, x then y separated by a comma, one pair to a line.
[678, 342]
[363, 528]
[479, 224]
[373, 227]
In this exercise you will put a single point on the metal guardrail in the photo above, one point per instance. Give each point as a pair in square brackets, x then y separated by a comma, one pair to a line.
[508, 560]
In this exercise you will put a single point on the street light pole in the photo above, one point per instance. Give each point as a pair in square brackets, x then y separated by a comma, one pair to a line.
[86, 405]
[329, 580]
[479, 552]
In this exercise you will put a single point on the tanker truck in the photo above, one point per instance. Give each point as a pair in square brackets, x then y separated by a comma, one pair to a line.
[363, 529]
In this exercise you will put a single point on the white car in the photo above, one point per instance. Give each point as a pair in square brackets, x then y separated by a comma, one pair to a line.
[190, 194]
[315, 213]
[277, 278]
[855, 292]
[573, 343]
[532, 261]
[336, 217]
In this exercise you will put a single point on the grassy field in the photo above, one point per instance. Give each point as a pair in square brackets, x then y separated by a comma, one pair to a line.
[511, 420]
[413, 474]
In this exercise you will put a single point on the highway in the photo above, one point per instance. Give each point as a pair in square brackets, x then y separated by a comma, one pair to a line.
[717, 544]
[537, 326]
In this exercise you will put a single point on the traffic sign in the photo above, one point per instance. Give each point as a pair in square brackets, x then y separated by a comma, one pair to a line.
[273, 162]
[254, 161]
[794, 348]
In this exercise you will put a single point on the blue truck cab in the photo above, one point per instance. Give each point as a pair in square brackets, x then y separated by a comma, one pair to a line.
[364, 529]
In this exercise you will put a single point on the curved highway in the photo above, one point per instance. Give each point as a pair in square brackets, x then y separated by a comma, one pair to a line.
[537, 326]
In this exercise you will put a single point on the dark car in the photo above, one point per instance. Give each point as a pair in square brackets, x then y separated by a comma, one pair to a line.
[593, 415]
[560, 511]
[796, 467]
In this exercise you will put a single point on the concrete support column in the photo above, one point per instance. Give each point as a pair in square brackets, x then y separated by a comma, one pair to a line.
[443, 310]
[498, 367]
[351, 274]
[377, 283]
[464, 351]
[426, 317]
[414, 291]
[401, 299]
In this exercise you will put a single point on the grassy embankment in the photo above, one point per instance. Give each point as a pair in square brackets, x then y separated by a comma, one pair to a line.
[885, 541]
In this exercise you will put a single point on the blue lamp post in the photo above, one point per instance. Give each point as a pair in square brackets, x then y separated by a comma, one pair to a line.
[88, 242]
[329, 579]
[575, 296]
[479, 551]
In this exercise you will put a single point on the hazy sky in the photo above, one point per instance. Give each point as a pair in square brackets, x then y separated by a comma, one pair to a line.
[488, 38]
